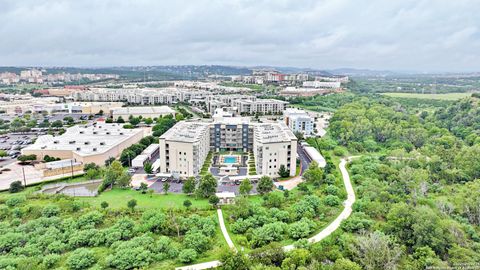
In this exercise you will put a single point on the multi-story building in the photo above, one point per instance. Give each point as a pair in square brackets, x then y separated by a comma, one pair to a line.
[319, 84]
[145, 112]
[274, 145]
[263, 106]
[185, 146]
[299, 121]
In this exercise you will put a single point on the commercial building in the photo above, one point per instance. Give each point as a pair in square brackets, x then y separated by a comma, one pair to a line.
[145, 112]
[185, 146]
[150, 154]
[94, 143]
[299, 121]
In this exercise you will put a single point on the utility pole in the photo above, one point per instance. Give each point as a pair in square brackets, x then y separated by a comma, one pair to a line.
[71, 166]
[24, 180]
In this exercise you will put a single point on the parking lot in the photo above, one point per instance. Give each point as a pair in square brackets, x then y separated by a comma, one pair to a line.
[176, 186]
[15, 142]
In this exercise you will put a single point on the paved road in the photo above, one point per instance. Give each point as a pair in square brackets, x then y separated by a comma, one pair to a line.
[316, 238]
[224, 230]
[343, 215]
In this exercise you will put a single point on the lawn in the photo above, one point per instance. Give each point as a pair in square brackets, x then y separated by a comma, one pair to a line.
[448, 96]
[118, 198]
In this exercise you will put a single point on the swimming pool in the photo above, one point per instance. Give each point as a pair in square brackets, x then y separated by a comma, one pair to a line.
[229, 159]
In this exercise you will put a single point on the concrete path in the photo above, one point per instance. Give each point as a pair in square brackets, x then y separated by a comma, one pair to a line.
[314, 239]
[224, 230]
[343, 215]
[200, 266]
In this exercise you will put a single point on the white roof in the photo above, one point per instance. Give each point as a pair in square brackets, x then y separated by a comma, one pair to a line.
[150, 149]
[160, 110]
[273, 132]
[225, 195]
[315, 156]
[86, 140]
[61, 164]
[185, 131]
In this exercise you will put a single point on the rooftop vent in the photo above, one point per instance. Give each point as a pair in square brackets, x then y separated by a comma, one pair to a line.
[78, 148]
[86, 143]
[71, 142]
[94, 149]
[55, 142]
[95, 132]
[81, 132]
[102, 143]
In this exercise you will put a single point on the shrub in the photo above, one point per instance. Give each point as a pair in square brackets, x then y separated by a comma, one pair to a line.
[187, 255]
[332, 200]
[50, 260]
[50, 211]
[15, 186]
[14, 201]
[81, 258]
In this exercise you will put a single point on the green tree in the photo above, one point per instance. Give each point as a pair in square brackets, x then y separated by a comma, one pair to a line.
[313, 174]
[134, 121]
[148, 167]
[187, 255]
[15, 186]
[245, 187]
[283, 172]
[232, 260]
[131, 204]
[143, 187]
[104, 205]
[120, 120]
[345, 264]
[166, 187]
[187, 204]
[265, 185]
[207, 186]
[3, 153]
[189, 186]
[57, 124]
[213, 200]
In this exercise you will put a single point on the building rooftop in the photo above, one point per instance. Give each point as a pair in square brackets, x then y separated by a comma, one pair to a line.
[144, 110]
[273, 132]
[185, 131]
[85, 140]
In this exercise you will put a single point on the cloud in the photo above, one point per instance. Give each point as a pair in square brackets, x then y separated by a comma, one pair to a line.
[426, 35]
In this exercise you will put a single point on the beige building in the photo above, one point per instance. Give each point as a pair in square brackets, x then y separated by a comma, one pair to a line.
[86, 144]
[145, 112]
[274, 145]
[184, 147]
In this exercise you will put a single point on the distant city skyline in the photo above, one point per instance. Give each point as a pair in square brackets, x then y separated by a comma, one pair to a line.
[420, 36]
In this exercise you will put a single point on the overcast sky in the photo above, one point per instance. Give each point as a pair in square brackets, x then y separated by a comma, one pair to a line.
[413, 35]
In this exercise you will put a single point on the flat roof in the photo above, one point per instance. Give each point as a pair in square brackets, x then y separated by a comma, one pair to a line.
[273, 132]
[144, 110]
[85, 140]
[313, 153]
[185, 131]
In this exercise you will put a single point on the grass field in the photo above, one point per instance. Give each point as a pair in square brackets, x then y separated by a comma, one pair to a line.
[118, 198]
[448, 96]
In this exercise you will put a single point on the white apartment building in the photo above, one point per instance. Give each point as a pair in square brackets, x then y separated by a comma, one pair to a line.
[185, 146]
[274, 145]
[319, 84]
[145, 112]
[299, 121]
[264, 106]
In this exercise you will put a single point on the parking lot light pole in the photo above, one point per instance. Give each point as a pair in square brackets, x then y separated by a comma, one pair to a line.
[24, 180]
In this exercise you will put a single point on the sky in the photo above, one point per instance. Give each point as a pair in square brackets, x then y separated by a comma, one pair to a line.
[398, 35]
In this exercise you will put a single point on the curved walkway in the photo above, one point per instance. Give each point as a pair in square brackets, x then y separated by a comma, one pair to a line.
[314, 239]
[343, 215]
[224, 230]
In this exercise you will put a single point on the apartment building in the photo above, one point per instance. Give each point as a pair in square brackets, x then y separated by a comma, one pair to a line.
[320, 84]
[299, 121]
[274, 145]
[144, 112]
[263, 106]
[184, 148]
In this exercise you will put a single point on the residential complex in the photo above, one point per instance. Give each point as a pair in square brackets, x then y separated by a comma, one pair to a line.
[94, 143]
[39, 76]
[144, 112]
[299, 121]
[185, 146]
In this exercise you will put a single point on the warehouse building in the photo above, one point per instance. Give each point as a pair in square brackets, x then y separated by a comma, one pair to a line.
[94, 143]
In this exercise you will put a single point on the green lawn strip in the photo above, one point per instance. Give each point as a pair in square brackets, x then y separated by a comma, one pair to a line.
[118, 198]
